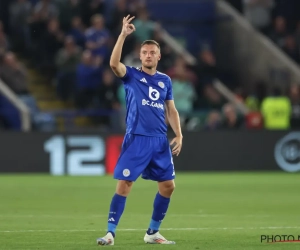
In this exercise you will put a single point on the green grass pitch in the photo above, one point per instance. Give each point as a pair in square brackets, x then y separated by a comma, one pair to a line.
[214, 211]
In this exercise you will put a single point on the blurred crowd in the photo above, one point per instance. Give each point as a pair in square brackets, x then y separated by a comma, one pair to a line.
[277, 19]
[70, 42]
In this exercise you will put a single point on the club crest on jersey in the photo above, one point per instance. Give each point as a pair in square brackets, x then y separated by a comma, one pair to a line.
[161, 84]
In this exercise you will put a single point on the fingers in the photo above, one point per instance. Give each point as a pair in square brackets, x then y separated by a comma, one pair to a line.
[176, 147]
[176, 150]
[131, 26]
[128, 19]
[172, 142]
[125, 19]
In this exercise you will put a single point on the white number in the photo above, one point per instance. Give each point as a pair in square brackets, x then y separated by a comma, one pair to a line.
[56, 147]
[75, 159]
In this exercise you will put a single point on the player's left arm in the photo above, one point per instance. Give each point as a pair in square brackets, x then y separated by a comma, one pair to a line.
[174, 120]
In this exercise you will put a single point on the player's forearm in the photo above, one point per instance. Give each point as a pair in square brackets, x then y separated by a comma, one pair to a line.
[174, 121]
[117, 52]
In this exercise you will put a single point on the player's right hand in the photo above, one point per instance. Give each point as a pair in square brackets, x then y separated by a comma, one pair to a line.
[128, 27]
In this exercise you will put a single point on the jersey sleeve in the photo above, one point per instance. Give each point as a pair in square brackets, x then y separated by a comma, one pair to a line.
[128, 75]
[170, 91]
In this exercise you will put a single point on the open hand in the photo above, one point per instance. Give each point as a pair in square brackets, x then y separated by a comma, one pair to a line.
[128, 27]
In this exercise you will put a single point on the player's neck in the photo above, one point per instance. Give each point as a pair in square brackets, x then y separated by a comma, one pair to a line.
[149, 71]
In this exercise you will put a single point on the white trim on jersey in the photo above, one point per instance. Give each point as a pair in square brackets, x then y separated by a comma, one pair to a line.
[158, 72]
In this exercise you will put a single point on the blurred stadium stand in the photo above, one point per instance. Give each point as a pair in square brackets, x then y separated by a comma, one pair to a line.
[62, 50]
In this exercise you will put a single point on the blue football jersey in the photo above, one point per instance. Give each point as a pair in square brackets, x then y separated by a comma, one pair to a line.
[145, 99]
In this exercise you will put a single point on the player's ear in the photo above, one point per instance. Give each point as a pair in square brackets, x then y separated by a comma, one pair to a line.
[159, 57]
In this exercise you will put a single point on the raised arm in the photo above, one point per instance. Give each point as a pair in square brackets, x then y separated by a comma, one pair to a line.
[117, 67]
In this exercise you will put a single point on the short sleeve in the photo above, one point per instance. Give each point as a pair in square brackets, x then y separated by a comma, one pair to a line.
[170, 91]
[128, 75]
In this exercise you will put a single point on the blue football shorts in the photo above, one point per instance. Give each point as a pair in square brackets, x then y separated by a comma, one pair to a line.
[145, 156]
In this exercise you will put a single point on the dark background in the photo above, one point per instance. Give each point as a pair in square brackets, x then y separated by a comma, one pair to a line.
[215, 151]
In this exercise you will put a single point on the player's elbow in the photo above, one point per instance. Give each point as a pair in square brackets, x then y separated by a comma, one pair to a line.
[113, 65]
[115, 69]
[118, 68]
